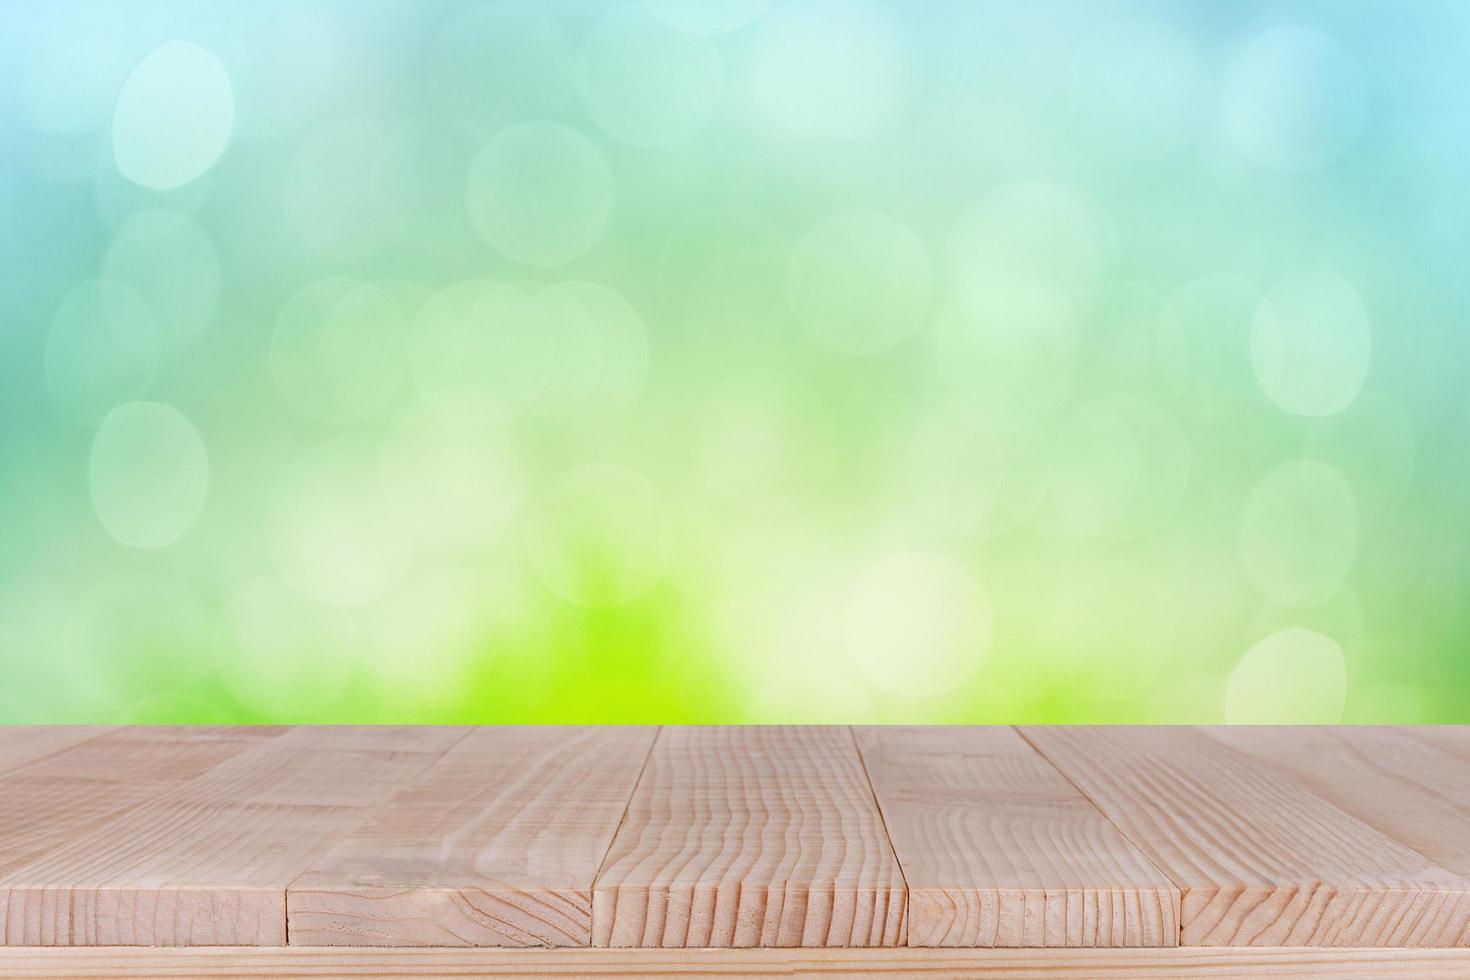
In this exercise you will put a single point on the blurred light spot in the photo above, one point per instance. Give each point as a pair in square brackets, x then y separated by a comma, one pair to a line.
[174, 116]
[461, 338]
[1299, 533]
[1310, 344]
[540, 193]
[784, 619]
[1295, 677]
[826, 70]
[645, 83]
[1293, 99]
[329, 532]
[978, 475]
[351, 188]
[1120, 467]
[170, 261]
[1027, 262]
[574, 347]
[102, 350]
[600, 535]
[149, 474]
[361, 345]
[707, 16]
[338, 348]
[917, 624]
[1342, 618]
[449, 472]
[859, 282]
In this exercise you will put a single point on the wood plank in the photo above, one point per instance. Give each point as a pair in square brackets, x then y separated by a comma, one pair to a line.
[1407, 788]
[496, 844]
[998, 849]
[751, 836]
[207, 862]
[1452, 739]
[23, 744]
[1259, 859]
[1219, 963]
[67, 794]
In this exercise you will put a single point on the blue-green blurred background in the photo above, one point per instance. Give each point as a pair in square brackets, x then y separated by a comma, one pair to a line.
[734, 360]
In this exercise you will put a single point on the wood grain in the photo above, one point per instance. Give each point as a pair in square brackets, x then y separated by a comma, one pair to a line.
[1218, 963]
[751, 837]
[998, 849]
[207, 860]
[1260, 859]
[1451, 739]
[1407, 788]
[496, 844]
[67, 794]
[20, 745]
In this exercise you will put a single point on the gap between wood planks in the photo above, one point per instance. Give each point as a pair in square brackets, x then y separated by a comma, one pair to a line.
[1345, 837]
[1178, 925]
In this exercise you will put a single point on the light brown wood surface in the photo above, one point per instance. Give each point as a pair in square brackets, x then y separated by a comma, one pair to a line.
[746, 836]
[1407, 787]
[1260, 859]
[1261, 852]
[25, 745]
[206, 861]
[998, 849]
[496, 844]
[1180, 963]
[62, 796]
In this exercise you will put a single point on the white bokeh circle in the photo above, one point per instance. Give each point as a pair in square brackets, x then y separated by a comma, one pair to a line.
[827, 71]
[174, 116]
[1298, 533]
[917, 624]
[1311, 343]
[540, 193]
[1293, 99]
[450, 472]
[330, 533]
[1294, 677]
[148, 474]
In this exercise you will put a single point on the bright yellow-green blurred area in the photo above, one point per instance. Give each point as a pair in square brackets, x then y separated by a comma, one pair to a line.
[734, 361]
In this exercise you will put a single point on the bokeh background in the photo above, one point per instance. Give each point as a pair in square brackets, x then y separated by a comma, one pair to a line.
[734, 360]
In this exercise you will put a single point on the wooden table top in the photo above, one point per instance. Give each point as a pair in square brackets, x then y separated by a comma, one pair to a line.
[1282, 851]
